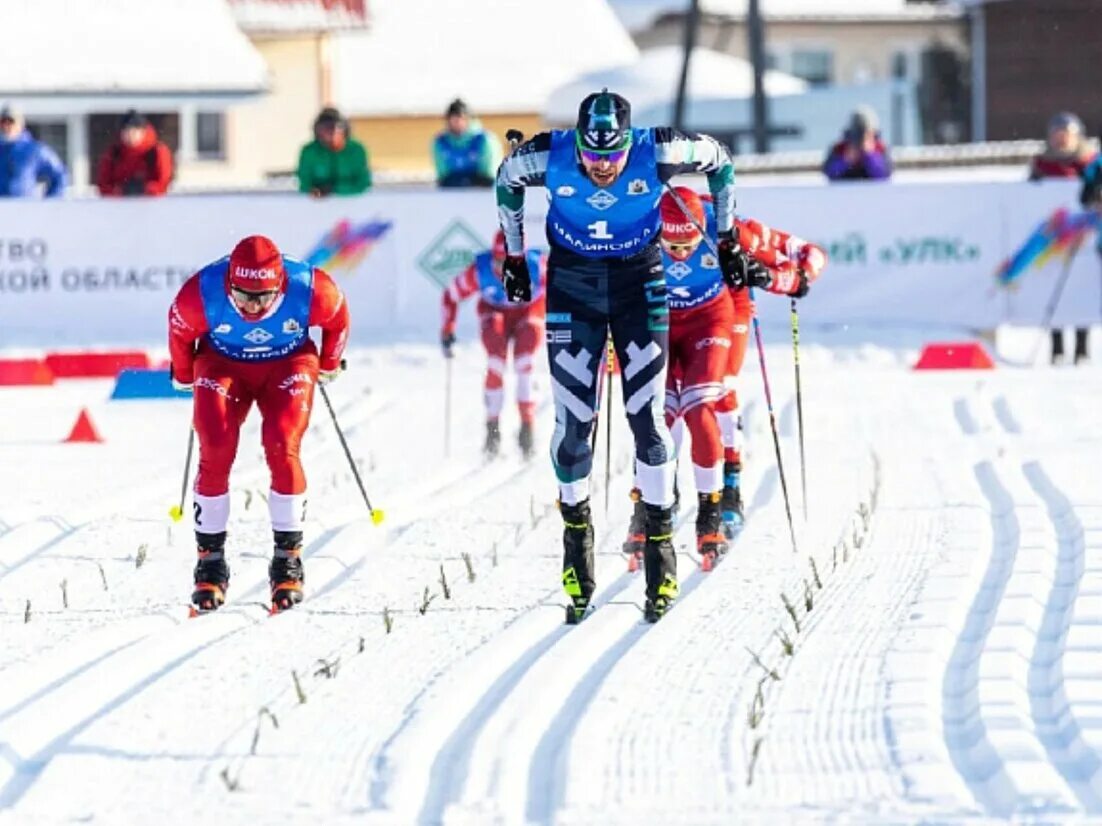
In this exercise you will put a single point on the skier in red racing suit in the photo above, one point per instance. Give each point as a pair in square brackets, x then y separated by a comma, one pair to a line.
[238, 335]
[709, 327]
[501, 322]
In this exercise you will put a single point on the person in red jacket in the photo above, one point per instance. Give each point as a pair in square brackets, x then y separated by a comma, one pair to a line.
[1065, 156]
[709, 325]
[501, 322]
[137, 163]
[238, 335]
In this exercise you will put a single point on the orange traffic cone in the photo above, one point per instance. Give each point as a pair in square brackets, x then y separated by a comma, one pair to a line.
[84, 430]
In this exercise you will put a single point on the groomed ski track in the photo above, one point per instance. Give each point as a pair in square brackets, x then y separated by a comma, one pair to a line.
[949, 667]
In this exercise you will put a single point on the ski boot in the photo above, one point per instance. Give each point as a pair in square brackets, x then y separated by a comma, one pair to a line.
[637, 532]
[212, 575]
[660, 563]
[1081, 356]
[493, 438]
[577, 560]
[731, 502]
[1057, 348]
[285, 574]
[526, 439]
[710, 541]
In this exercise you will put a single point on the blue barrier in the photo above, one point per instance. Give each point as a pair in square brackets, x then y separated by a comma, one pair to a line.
[145, 384]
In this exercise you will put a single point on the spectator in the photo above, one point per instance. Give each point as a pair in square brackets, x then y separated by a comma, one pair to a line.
[333, 163]
[861, 154]
[465, 153]
[137, 163]
[1066, 156]
[24, 161]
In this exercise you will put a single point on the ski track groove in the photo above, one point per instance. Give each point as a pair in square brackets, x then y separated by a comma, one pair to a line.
[98, 666]
[1058, 721]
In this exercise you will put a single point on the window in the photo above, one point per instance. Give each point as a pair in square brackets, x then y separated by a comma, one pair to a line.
[55, 134]
[210, 135]
[816, 66]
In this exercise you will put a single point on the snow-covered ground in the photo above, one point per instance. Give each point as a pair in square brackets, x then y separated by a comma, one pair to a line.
[932, 652]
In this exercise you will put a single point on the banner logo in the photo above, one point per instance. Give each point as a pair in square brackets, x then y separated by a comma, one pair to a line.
[344, 247]
[451, 252]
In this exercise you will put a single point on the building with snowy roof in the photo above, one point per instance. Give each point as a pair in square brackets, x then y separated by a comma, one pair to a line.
[395, 79]
[837, 42]
[232, 86]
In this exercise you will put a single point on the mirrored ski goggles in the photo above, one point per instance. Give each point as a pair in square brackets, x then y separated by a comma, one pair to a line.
[614, 157]
[264, 298]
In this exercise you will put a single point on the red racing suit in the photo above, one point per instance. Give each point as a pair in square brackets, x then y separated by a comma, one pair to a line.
[502, 322]
[226, 386]
[708, 344]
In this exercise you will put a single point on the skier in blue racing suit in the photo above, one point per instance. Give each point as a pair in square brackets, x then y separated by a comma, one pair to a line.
[605, 276]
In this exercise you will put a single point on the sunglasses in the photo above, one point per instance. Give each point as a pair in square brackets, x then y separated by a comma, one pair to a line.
[264, 298]
[614, 157]
[680, 247]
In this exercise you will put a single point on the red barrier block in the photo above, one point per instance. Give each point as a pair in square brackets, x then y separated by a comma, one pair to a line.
[95, 364]
[20, 372]
[954, 355]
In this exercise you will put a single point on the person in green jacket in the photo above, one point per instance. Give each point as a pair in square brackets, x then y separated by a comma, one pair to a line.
[333, 163]
[464, 152]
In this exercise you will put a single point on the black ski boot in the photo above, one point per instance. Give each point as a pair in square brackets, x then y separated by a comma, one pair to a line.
[637, 532]
[526, 439]
[1081, 354]
[577, 559]
[1057, 347]
[710, 541]
[730, 504]
[493, 438]
[660, 562]
[285, 574]
[212, 575]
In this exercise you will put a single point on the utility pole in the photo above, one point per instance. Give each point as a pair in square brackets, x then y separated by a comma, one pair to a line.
[755, 31]
[692, 24]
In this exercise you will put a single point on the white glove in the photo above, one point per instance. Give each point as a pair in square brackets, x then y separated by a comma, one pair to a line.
[326, 376]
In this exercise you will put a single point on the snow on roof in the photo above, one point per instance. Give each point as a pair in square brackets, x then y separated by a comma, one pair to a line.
[640, 14]
[126, 46]
[500, 56]
[652, 81]
[256, 16]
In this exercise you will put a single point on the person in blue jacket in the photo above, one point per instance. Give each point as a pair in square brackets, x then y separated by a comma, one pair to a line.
[24, 161]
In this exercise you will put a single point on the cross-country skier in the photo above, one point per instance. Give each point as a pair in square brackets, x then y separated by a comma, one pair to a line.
[605, 276]
[238, 335]
[501, 322]
[709, 323]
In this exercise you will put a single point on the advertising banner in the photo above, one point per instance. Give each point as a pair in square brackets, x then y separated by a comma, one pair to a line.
[98, 272]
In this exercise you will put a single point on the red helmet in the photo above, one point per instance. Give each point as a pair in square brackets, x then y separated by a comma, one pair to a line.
[677, 228]
[498, 249]
[256, 266]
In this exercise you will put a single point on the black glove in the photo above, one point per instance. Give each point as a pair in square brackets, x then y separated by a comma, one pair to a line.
[447, 341]
[802, 288]
[515, 279]
[740, 269]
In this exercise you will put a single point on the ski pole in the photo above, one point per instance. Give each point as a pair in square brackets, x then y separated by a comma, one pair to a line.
[376, 515]
[176, 512]
[447, 406]
[714, 249]
[611, 355]
[773, 425]
[799, 401]
[1054, 301]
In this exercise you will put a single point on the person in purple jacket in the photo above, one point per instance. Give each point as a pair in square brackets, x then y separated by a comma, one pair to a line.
[861, 154]
[24, 161]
